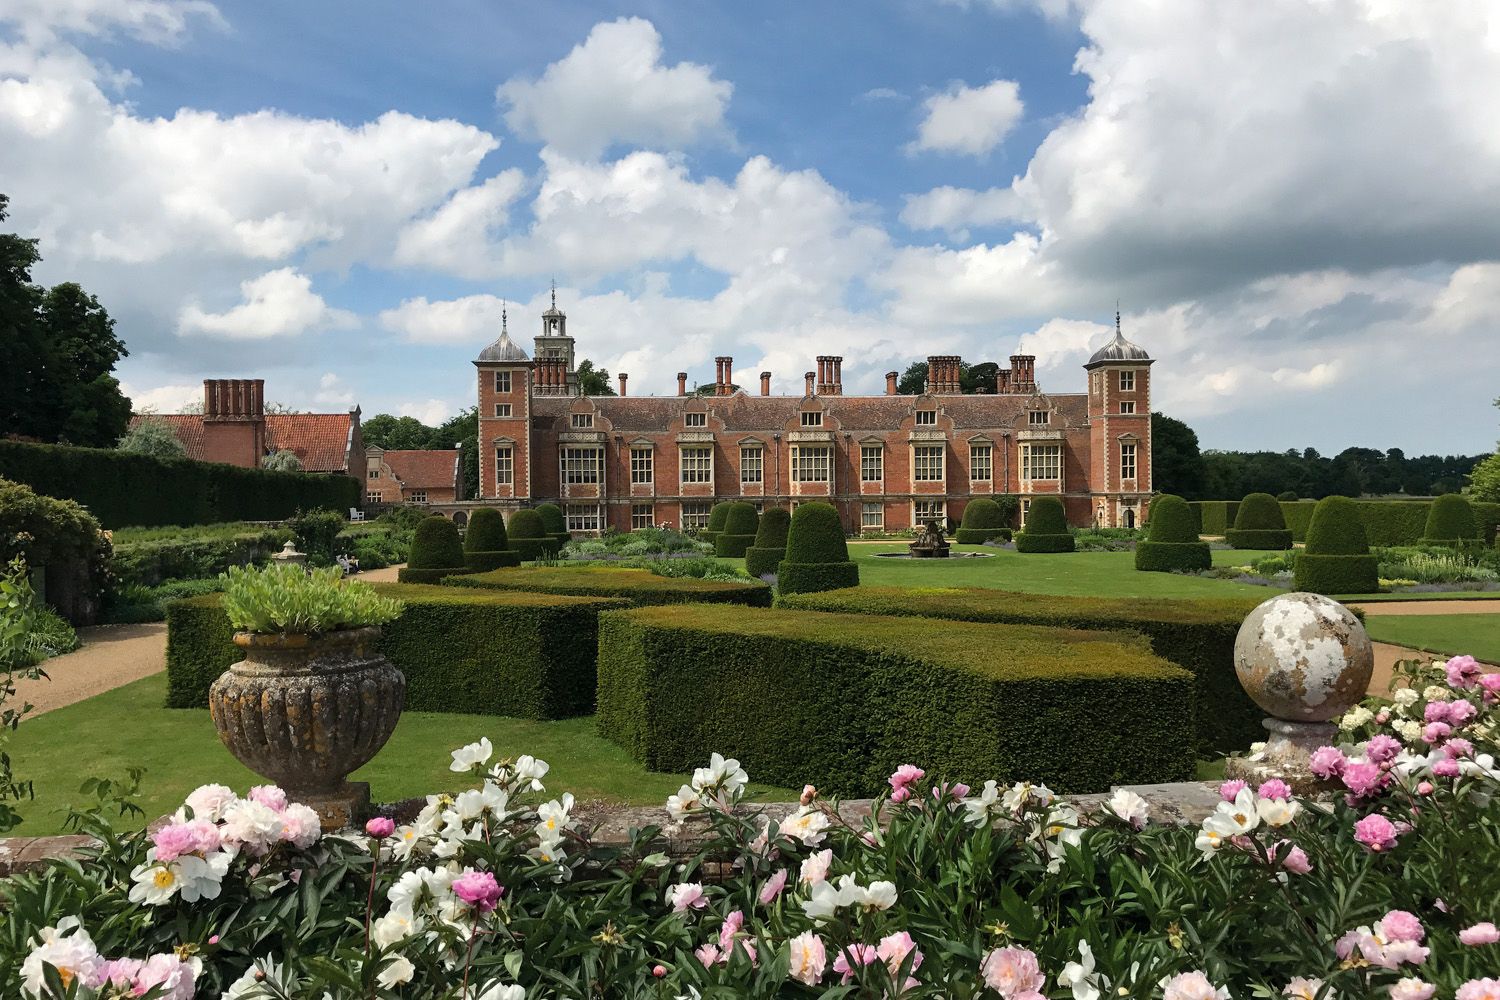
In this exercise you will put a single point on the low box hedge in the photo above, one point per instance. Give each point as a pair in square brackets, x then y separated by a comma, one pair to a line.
[1259, 538]
[978, 536]
[1172, 557]
[529, 656]
[417, 575]
[807, 578]
[732, 546]
[635, 585]
[483, 562]
[842, 700]
[1029, 541]
[1197, 635]
[760, 561]
[1336, 574]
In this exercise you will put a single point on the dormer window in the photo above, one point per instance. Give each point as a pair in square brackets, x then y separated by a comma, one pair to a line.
[697, 420]
[926, 418]
[1038, 418]
[583, 421]
[812, 418]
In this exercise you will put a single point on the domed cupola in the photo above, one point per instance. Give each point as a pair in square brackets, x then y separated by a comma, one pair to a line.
[1117, 351]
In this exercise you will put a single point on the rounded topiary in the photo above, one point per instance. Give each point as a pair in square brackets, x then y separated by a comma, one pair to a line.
[435, 553]
[1450, 521]
[556, 524]
[817, 556]
[716, 518]
[486, 546]
[1290, 496]
[984, 520]
[1172, 539]
[1336, 558]
[528, 535]
[740, 526]
[1259, 524]
[770, 542]
[1046, 528]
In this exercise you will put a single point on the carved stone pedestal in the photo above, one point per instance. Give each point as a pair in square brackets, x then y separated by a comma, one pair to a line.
[1287, 756]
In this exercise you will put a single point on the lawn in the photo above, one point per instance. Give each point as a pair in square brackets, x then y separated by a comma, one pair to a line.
[101, 736]
[1477, 635]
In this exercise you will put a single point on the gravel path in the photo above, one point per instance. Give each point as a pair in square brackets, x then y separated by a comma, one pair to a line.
[1475, 607]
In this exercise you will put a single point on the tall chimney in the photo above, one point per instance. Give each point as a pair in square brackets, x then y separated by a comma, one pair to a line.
[836, 376]
[822, 380]
[258, 399]
[810, 376]
[934, 374]
[765, 383]
[890, 382]
[682, 383]
[721, 384]
[623, 377]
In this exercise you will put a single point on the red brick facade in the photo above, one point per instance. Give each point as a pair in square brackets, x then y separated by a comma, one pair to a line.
[886, 463]
[412, 476]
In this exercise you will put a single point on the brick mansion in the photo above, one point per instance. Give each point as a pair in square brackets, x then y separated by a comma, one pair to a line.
[885, 462]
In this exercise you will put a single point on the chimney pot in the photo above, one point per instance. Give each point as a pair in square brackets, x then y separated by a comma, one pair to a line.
[890, 382]
[836, 375]
[810, 376]
[682, 383]
[623, 378]
[765, 383]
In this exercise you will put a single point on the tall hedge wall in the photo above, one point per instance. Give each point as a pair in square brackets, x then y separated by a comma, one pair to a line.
[1387, 522]
[635, 585]
[122, 489]
[1197, 635]
[842, 700]
[525, 655]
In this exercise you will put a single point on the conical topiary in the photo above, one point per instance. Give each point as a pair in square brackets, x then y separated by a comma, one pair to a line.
[1259, 524]
[984, 520]
[1450, 521]
[528, 535]
[1046, 528]
[770, 542]
[1172, 541]
[485, 544]
[1336, 558]
[716, 519]
[435, 553]
[817, 555]
[739, 530]
[556, 523]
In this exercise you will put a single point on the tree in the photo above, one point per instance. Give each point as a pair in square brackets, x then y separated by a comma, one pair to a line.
[1177, 467]
[398, 433]
[593, 381]
[152, 436]
[982, 377]
[462, 431]
[913, 381]
[282, 461]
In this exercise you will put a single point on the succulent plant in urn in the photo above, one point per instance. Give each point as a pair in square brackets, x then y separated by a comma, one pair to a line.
[313, 700]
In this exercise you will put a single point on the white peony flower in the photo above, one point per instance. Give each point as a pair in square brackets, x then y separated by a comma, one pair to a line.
[979, 808]
[209, 802]
[720, 775]
[276, 976]
[395, 927]
[471, 756]
[188, 875]
[1233, 818]
[686, 801]
[1130, 807]
[1404, 697]
[807, 825]
[68, 948]
[1355, 718]
[254, 826]
[1436, 692]
[495, 991]
[1080, 978]
[529, 773]
[553, 817]
[1277, 812]
[398, 971]
[1208, 842]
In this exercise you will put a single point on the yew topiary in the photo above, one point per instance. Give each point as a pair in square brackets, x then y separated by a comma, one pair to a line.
[770, 542]
[1336, 558]
[817, 556]
[1259, 524]
[740, 526]
[984, 520]
[1172, 543]
[1450, 521]
[1046, 528]
[529, 536]
[556, 523]
[435, 553]
[716, 518]
[486, 546]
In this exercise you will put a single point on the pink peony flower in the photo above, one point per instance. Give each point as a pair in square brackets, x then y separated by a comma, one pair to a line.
[210, 802]
[1327, 762]
[1295, 861]
[905, 775]
[1436, 711]
[1383, 716]
[381, 827]
[815, 868]
[1192, 986]
[708, 955]
[1013, 973]
[1376, 833]
[1230, 790]
[773, 887]
[686, 896]
[1463, 672]
[1485, 933]
[809, 958]
[1479, 989]
[478, 889]
[1424, 788]
[1461, 711]
[893, 950]
[1274, 789]
[955, 791]
[808, 794]
[901, 794]
[1398, 925]
[269, 796]
[658, 971]
[173, 840]
[1363, 778]
[729, 929]
[166, 970]
[1412, 988]
[1382, 749]
[1458, 747]
[1490, 684]
[1446, 768]
[853, 956]
[300, 825]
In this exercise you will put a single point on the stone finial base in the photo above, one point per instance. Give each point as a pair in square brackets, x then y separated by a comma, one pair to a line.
[344, 807]
[1287, 756]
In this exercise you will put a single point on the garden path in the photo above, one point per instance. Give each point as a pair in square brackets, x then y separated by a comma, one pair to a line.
[1430, 607]
[112, 656]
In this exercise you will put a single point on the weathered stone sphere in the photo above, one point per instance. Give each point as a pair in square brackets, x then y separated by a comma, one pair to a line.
[1303, 657]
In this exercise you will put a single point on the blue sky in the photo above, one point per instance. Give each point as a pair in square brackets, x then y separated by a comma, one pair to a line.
[1296, 205]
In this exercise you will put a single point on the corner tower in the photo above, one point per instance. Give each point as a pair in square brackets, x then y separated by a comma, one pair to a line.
[1120, 432]
[505, 377]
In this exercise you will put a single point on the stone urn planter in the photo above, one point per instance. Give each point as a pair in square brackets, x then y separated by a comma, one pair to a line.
[307, 709]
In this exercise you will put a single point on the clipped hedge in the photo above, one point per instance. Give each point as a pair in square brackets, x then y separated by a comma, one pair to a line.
[817, 554]
[1259, 524]
[635, 585]
[444, 642]
[808, 578]
[486, 546]
[528, 535]
[1172, 543]
[1336, 558]
[555, 523]
[717, 515]
[1215, 517]
[1450, 521]
[738, 534]
[770, 542]
[1046, 528]
[842, 700]
[436, 552]
[123, 489]
[983, 521]
[1387, 522]
[1197, 635]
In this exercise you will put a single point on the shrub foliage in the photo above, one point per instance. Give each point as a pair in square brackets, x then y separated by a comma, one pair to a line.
[717, 515]
[436, 552]
[486, 546]
[738, 534]
[1259, 524]
[1336, 558]
[1046, 528]
[1172, 543]
[1450, 520]
[770, 542]
[529, 536]
[817, 554]
[984, 520]
[636, 585]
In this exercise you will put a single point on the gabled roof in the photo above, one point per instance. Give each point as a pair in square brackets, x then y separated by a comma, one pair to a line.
[320, 440]
[424, 469]
[187, 426]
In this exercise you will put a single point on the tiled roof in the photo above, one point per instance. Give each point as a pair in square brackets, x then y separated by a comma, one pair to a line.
[187, 426]
[319, 440]
[423, 469]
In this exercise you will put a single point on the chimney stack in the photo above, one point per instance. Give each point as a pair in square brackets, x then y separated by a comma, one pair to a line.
[682, 383]
[765, 383]
[810, 376]
[723, 380]
[1023, 372]
[890, 383]
[623, 378]
[234, 399]
[837, 379]
[830, 377]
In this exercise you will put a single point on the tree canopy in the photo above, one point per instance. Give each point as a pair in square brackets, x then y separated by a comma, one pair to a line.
[593, 381]
[980, 377]
[410, 434]
[152, 436]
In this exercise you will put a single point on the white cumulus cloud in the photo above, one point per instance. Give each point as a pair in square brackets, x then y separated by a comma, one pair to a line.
[279, 303]
[971, 120]
[470, 319]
